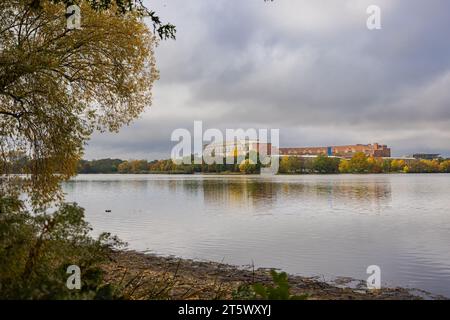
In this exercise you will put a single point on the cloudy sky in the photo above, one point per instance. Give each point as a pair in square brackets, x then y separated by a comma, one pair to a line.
[310, 68]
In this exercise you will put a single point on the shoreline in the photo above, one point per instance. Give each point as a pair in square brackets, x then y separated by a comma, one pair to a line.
[185, 279]
[258, 174]
[262, 175]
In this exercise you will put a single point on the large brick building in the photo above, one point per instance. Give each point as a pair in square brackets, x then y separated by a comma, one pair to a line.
[238, 148]
[375, 150]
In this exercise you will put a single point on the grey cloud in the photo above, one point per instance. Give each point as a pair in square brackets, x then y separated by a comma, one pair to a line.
[310, 68]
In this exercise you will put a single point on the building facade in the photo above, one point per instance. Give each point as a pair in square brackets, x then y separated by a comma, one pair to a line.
[371, 150]
[238, 148]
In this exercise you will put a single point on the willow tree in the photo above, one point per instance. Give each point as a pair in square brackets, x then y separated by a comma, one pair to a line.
[58, 85]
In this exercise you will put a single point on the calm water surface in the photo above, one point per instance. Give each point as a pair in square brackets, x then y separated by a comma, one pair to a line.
[310, 225]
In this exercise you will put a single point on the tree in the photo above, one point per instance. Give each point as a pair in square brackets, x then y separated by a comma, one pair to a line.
[164, 30]
[358, 163]
[386, 166]
[445, 166]
[247, 167]
[433, 166]
[344, 166]
[124, 167]
[375, 165]
[57, 85]
[284, 165]
[397, 165]
[138, 166]
[99, 166]
[424, 166]
[37, 249]
[291, 165]
[324, 164]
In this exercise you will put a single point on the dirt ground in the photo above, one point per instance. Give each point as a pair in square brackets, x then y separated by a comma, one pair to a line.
[146, 276]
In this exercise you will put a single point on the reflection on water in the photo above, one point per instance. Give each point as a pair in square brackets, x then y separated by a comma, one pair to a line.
[310, 225]
[258, 195]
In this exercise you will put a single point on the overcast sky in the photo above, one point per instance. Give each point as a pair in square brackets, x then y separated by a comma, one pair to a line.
[310, 68]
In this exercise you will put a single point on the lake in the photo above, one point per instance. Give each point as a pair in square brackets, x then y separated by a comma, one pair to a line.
[312, 225]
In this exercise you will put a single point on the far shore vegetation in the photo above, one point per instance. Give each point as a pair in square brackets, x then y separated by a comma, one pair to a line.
[358, 164]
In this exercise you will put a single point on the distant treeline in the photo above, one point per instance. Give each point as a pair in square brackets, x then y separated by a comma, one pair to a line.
[359, 163]
[163, 166]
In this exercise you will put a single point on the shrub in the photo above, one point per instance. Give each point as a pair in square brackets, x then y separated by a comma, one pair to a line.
[324, 164]
[344, 166]
[247, 167]
[279, 291]
[36, 249]
[375, 165]
[359, 163]
[291, 164]
[445, 166]
[424, 166]
[397, 165]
